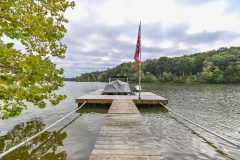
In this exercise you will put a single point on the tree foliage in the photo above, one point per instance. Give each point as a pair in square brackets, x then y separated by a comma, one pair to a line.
[216, 66]
[30, 75]
[88, 77]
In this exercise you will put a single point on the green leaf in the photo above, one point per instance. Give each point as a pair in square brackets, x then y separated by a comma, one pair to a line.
[7, 78]
[24, 75]
[6, 115]
[10, 45]
[4, 24]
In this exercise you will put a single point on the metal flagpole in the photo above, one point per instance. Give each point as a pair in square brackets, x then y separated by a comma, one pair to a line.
[139, 89]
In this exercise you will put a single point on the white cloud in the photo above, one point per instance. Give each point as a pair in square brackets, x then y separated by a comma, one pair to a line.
[166, 44]
[103, 34]
[182, 46]
[107, 30]
[147, 42]
[127, 38]
[210, 17]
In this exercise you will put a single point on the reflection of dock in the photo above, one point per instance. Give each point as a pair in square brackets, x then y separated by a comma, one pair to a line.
[124, 134]
[96, 97]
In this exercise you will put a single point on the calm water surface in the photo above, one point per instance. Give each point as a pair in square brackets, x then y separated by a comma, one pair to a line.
[216, 107]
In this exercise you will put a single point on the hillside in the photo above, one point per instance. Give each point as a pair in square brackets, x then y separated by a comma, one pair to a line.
[215, 66]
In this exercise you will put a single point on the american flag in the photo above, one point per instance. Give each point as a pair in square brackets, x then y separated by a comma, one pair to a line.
[137, 52]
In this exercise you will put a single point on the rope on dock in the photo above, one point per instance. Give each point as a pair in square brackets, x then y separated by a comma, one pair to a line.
[34, 136]
[233, 143]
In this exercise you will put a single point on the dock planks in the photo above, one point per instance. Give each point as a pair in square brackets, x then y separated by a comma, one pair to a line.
[124, 135]
[97, 97]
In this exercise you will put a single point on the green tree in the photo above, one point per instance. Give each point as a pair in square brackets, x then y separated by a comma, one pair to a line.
[31, 76]
[207, 74]
[136, 77]
[215, 66]
[163, 65]
[166, 77]
[217, 75]
[150, 78]
[103, 77]
[206, 77]
[151, 66]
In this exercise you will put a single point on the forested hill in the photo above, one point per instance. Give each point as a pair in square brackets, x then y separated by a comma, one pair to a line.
[216, 66]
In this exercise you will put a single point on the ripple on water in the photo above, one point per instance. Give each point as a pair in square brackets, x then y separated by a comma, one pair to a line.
[213, 106]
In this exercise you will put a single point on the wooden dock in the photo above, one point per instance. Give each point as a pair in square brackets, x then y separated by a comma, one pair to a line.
[96, 97]
[124, 135]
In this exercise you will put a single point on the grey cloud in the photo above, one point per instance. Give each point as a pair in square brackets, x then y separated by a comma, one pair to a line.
[232, 6]
[211, 37]
[153, 31]
[194, 3]
[89, 60]
[105, 39]
[177, 31]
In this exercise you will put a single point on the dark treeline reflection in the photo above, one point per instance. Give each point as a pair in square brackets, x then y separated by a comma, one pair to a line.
[94, 108]
[45, 145]
[42, 147]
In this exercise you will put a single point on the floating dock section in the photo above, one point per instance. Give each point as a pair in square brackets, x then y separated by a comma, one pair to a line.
[124, 135]
[97, 97]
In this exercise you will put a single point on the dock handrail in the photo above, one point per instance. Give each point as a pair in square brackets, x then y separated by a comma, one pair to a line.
[34, 136]
[233, 143]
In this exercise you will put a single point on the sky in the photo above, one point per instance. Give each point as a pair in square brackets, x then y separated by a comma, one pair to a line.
[103, 33]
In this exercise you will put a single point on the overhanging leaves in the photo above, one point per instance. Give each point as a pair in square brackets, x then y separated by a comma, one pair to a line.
[31, 76]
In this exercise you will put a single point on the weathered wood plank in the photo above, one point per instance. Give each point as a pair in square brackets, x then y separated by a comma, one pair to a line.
[121, 157]
[123, 132]
[123, 111]
[121, 128]
[123, 146]
[124, 139]
[115, 142]
[124, 135]
[137, 152]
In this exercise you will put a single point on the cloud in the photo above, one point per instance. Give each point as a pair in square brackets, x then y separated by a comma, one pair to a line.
[192, 3]
[101, 36]
[212, 37]
[99, 46]
[232, 7]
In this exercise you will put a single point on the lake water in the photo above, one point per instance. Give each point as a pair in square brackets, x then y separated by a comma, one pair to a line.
[216, 107]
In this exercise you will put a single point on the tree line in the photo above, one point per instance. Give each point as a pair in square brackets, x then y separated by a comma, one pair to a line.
[215, 66]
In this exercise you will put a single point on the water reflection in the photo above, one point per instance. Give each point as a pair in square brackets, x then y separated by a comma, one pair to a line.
[42, 147]
[214, 106]
[148, 109]
[96, 108]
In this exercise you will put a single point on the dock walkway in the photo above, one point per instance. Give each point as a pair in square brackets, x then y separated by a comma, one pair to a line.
[124, 135]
